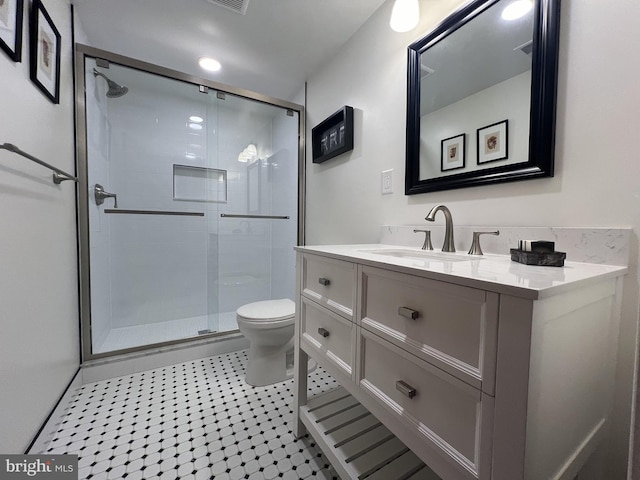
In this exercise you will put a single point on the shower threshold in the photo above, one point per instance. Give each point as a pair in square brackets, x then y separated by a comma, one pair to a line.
[140, 335]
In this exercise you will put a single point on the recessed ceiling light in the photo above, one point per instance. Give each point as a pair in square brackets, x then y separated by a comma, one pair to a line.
[209, 64]
[196, 119]
[517, 9]
[195, 126]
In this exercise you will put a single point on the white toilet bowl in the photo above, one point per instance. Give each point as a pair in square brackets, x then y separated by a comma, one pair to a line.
[269, 327]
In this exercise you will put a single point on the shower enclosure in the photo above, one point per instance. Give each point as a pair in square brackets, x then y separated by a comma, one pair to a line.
[188, 202]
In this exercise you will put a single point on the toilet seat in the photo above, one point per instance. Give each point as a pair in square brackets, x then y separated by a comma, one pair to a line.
[268, 313]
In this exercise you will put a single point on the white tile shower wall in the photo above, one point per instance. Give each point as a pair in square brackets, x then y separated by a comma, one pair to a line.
[609, 246]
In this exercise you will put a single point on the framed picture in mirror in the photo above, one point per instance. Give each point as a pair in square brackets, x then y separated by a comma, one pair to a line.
[493, 142]
[452, 151]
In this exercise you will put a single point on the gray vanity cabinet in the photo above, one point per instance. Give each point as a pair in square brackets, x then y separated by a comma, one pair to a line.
[441, 379]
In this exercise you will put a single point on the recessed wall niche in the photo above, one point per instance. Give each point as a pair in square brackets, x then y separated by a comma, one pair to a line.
[199, 184]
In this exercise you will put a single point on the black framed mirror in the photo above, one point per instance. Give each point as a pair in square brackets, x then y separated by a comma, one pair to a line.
[481, 97]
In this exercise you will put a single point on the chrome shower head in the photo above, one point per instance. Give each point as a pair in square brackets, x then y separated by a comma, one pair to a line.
[115, 90]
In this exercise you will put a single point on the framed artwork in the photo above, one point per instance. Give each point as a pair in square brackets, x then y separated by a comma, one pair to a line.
[333, 136]
[44, 44]
[452, 152]
[11, 28]
[493, 142]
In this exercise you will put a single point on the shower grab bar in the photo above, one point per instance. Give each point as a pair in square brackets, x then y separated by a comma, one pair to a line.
[274, 217]
[153, 212]
[58, 177]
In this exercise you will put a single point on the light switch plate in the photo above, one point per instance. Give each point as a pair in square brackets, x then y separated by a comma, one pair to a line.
[387, 182]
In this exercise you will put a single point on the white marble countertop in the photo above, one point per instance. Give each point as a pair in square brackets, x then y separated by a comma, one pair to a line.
[490, 272]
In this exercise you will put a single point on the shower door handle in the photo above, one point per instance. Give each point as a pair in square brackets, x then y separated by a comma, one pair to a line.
[99, 194]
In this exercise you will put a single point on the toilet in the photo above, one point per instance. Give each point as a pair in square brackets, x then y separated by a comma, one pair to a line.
[269, 326]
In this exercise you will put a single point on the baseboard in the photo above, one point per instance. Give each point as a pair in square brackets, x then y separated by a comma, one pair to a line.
[127, 364]
[52, 423]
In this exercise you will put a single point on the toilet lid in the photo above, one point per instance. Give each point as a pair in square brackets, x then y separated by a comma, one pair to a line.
[268, 310]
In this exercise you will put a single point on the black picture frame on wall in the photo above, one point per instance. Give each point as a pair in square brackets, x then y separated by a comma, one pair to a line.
[45, 43]
[333, 136]
[11, 12]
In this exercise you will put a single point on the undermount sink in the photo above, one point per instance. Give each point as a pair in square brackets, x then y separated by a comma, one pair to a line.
[421, 254]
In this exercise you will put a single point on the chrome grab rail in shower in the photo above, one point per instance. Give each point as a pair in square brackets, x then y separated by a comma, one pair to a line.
[153, 212]
[58, 177]
[273, 217]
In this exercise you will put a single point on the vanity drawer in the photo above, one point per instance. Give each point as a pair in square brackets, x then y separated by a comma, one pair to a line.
[328, 334]
[450, 326]
[449, 417]
[330, 282]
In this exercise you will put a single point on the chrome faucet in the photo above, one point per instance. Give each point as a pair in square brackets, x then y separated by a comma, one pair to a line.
[448, 245]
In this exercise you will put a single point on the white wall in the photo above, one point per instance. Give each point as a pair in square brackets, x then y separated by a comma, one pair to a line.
[39, 338]
[597, 180]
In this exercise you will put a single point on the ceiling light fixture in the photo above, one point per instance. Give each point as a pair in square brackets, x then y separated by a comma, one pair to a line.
[196, 119]
[517, 9]
[405, 15]
[209, 64]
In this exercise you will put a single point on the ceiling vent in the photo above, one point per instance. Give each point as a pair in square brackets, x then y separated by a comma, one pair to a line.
[425, 71]
[238, 6]
[526, 48]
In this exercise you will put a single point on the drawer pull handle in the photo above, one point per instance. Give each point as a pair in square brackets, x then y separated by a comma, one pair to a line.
[324, 333]
[324, 281]
[405, 389]
[408, 313]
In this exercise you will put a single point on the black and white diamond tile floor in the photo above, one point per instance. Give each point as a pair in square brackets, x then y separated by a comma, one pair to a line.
[192, 421]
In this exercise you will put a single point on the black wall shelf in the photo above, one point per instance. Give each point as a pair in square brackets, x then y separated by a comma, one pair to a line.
[333, 136]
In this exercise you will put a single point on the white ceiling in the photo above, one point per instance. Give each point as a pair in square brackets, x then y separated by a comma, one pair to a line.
[271, 50]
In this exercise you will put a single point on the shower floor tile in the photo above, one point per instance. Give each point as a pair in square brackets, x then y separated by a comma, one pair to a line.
[194, 420]
[138, 335]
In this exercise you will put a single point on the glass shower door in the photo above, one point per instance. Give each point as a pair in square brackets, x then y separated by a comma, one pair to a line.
[257, 228]
[153, 258]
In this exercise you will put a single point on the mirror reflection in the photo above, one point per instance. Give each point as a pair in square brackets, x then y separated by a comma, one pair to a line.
[475, 92]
